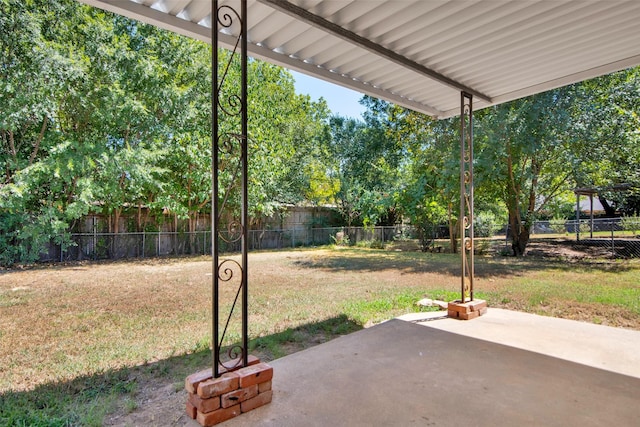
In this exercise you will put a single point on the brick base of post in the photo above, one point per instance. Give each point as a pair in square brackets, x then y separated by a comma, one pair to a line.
[467, 310]
[215, 400]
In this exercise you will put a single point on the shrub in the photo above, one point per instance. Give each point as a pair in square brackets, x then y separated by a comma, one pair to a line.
[372, 244]
[558, 225]
[341, 238]
[630, 223]
[485, 224]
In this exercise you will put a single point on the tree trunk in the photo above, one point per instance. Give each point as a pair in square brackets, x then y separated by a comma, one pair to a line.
[453, 231]
[139, 218]
[609, 210]
[12, 146]
[193, 225]
[116, 220]
[519, 235]
[36, 145]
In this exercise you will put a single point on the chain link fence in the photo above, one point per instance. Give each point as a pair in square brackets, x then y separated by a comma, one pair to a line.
[613, 237]
[97, 246]
[616, 237]
[277, 239]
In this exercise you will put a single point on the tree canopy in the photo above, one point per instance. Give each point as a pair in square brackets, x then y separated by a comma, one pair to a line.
[102, 114]
[530, 154]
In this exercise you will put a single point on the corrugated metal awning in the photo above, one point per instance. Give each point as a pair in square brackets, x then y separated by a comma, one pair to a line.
[421, 53]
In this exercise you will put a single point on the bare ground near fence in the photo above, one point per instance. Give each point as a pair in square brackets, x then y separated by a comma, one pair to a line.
[585, 249]
[541, 246]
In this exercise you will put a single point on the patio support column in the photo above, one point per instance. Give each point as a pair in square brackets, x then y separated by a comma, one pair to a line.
[466, 307]
[236, 382]
[466, 196]
[229, 192]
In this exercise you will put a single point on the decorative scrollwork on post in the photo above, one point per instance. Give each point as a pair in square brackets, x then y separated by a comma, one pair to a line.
[466, 196]
[231, 271]
[229, 183]
[234, 354]
[227, 18]
[234, 232]
[227, 269]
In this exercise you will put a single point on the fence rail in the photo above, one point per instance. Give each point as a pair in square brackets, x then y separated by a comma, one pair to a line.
[617, 237]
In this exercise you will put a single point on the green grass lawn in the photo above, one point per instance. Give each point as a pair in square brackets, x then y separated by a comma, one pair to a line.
[83, 341]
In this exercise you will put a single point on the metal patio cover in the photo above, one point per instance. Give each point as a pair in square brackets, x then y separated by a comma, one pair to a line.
[422, 53]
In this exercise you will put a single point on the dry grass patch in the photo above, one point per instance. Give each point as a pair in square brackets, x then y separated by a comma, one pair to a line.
[104, 334]
[61, 322]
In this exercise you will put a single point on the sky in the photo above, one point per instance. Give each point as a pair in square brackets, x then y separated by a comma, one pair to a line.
[341, 101]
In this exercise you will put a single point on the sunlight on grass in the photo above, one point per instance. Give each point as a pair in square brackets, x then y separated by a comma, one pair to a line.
[385, 306]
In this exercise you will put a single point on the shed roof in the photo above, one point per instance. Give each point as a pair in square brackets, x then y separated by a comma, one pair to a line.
[421, 53]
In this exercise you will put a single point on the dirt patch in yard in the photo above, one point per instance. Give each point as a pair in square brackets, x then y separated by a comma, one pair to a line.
[569, 250]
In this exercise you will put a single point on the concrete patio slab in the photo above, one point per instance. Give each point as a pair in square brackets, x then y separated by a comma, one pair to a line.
[604, 347]
[402, 373]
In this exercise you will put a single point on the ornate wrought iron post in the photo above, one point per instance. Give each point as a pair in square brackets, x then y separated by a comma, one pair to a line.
[466, 195]
[229, 189]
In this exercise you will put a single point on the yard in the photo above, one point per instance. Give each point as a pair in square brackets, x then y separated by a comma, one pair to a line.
[85, 344]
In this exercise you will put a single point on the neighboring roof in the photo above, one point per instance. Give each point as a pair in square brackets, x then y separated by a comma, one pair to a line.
[611, 188]
[420, 54]
[585, 205]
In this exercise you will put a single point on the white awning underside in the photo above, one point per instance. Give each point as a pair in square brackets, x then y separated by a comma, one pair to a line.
[421, 54]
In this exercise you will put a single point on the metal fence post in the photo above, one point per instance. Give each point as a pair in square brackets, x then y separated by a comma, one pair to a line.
[613, 240]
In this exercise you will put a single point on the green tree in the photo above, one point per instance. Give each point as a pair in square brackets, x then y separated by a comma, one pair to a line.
[285, 134]
[345, 134]
[102, 113]
[285, 141]
[41, 189]
[112, 102]
[521, 151]
[370, 161]
[606, 151]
